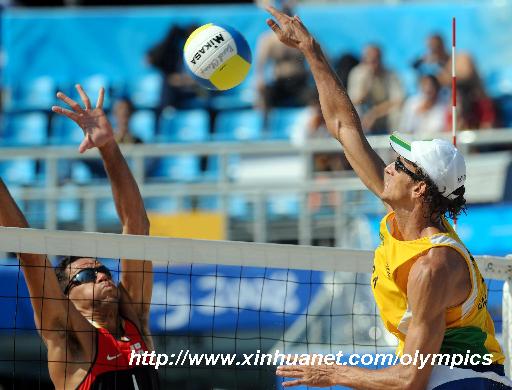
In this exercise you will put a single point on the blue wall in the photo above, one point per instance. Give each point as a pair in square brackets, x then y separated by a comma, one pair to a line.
[70, 44]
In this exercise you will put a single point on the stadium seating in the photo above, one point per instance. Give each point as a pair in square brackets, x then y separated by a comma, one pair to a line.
[24, 129]
[87, 171]
[177, 168]
[18, 171]
[184, 126]
[106, 214]
[208, 203]
[242, 125]
[283, 206]
[145, 92]
[212, 171]
[143, 125]
[92, 85]
[240, 97]
[162, 204]
[69, 211]
[31, 94]
[63, 131]
[504, 108]
[35, 212]
[240, 208]
[499, 81]
[283, 122]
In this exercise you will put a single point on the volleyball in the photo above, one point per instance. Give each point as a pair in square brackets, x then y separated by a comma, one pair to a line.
[217, 56]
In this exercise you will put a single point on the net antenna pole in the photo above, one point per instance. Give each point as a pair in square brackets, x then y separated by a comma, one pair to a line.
[454, 96]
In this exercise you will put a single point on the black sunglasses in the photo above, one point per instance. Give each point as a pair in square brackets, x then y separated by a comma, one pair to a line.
[399, 166]
[87, 275]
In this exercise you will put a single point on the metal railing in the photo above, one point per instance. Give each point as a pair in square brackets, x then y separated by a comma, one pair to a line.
[225, 185]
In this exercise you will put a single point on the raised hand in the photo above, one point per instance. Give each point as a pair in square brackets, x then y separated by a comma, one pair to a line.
[93, 121]
[289, 29]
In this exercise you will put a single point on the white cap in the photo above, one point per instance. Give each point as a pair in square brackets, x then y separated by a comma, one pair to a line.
[438, 159]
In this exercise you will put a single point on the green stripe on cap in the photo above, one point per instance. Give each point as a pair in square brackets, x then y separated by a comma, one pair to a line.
[404, 144]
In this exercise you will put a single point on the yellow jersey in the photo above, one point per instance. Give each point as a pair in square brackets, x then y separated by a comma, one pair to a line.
[468, 325]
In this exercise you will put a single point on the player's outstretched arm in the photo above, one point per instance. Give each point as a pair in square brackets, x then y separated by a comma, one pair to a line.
[136, 275]
[339, 113]
[431, 290]
[53, 314]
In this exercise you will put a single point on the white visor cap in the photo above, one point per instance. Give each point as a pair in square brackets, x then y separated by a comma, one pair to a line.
[438, 159]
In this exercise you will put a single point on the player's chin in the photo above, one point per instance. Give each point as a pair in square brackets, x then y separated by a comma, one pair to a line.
[108, 292]
[384, 196]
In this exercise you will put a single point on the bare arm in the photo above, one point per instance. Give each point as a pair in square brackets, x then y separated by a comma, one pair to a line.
[340, 115]
[137, 275]
[53, 313]
[431, 290]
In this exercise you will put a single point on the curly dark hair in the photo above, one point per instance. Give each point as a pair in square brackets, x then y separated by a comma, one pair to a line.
[438, 204]
[61, 270]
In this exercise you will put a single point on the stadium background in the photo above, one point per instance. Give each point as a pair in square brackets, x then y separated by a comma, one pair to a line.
[49, 49]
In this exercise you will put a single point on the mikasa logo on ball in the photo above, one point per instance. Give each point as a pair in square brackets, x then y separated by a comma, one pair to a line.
[212, 43]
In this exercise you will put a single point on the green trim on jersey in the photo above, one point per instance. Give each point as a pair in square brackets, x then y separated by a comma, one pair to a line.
[460, 340]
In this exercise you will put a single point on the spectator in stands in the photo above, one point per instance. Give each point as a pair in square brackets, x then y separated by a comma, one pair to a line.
[425, 114]
[123, 111]
[344, 65]
[376, 92]
[325, 165]
[178, 87]
[475, 110]
[289, 85]
[435, 60]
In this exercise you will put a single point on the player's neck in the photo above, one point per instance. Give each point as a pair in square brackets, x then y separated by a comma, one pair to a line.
[107, 317]
[416, 223]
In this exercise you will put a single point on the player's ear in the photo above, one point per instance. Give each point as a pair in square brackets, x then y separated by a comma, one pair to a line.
[419, 189]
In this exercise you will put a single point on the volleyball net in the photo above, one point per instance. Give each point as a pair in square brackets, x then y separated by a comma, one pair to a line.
[225, 298]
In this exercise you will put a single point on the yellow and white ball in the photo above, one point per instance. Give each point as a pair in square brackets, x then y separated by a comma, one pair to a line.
[218, 57]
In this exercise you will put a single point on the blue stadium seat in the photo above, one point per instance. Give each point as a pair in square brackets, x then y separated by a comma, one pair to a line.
[32, 94]
[18, 171]
[184, 126]
[145, 92]
[504, 109]
[106, 213]
[69, 210]
[35, 212]
[208, 203]
[63, 131]
[283, 206]
[161, 204]
[239, 207]
[499, 81]
[283, 122]
[143, 125]
[25, 130]
[212, 171]
[92, 85]
[239, 97]
[243, 125]
[176, 168]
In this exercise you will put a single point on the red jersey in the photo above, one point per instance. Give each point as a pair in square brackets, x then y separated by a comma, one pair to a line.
[111, 367]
